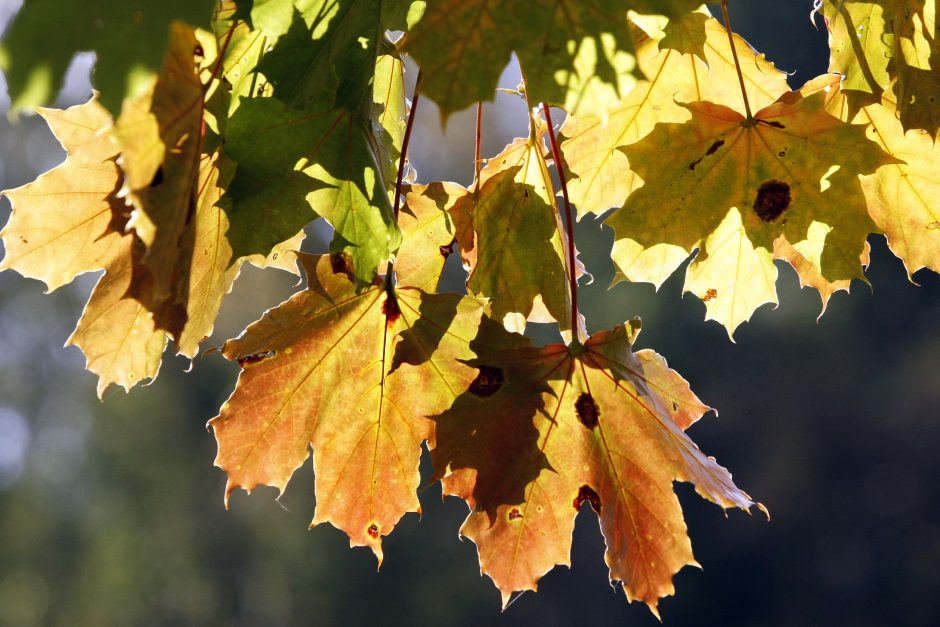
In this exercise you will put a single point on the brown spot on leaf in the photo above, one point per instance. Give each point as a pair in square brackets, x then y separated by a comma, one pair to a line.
[710, 293]
[774, 124]
[254, 358]
[373, 531]
[933, 226]
[773, 198]
[199, 52]
[711, 149]
[587, 410]
[515, 514]
[488, 382]
[587, 493]
[391, 310]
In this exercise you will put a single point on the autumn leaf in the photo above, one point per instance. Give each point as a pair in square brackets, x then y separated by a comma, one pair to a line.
[117, 333]
[327, 369]
[71, 207]
[426, 226]
[790, 166]
[128, 38]
[601, 175]
[511, 238]
[902, 196]
[160, 139]
[542, 431]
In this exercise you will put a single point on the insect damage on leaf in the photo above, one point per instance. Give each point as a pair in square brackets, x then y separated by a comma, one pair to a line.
[773, 198]
[587, 494]
[487, 382]
[587, 410]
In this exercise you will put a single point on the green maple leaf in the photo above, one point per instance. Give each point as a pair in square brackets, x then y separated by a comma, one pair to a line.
[129, 39]
[883, 46]
[336, 179]
[541, 431]
[578, 55]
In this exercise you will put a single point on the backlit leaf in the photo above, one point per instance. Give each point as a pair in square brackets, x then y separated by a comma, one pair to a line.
[578, 55]
[326, 370]
[601, 175]
[71, 207]
[542, 431]
[793, 165]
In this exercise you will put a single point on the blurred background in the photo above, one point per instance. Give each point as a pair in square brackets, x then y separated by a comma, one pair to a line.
[111, 513]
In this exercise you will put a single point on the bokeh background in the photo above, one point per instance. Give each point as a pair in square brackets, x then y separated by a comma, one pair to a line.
[111, 513]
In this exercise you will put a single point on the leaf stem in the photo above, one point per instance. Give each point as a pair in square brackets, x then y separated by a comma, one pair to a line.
[404, 146]
[477, 144]
[569, 221]
[396, 207]
[734, 54]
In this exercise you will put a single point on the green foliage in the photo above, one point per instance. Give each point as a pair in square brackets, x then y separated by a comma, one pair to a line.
[222, 131]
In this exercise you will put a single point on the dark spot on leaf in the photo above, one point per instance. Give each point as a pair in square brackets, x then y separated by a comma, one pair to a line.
[515, 514]
[446, 250]
[773, 198]
[710, 294]
[488, 382]
[587, 410]
[199, 52]
[391, 310]
[675, 406]
[774, 124]
[157, 177]
[373, 531]
[782, 153]
[254, 358]
[587, 493]
[695, 163]
[711, 149]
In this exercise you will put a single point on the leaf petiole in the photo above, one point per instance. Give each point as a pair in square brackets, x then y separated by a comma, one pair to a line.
[737, 63]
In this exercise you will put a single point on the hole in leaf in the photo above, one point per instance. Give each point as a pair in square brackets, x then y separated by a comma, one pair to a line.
[587, 493]
[773, 198]
[488, 382]
[587, 410]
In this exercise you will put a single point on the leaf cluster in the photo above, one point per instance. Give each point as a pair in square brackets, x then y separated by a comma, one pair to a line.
[254, 119]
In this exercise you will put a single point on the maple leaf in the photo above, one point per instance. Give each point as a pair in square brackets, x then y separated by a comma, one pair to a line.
[541, 431]
[160, 138]
[426, 226]
[511, 238]
[887, 45]
[71, 207]
[128, 39]
[578, 55]
[791, 165]
[902, 196]
[326, 369]
[601, 175]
